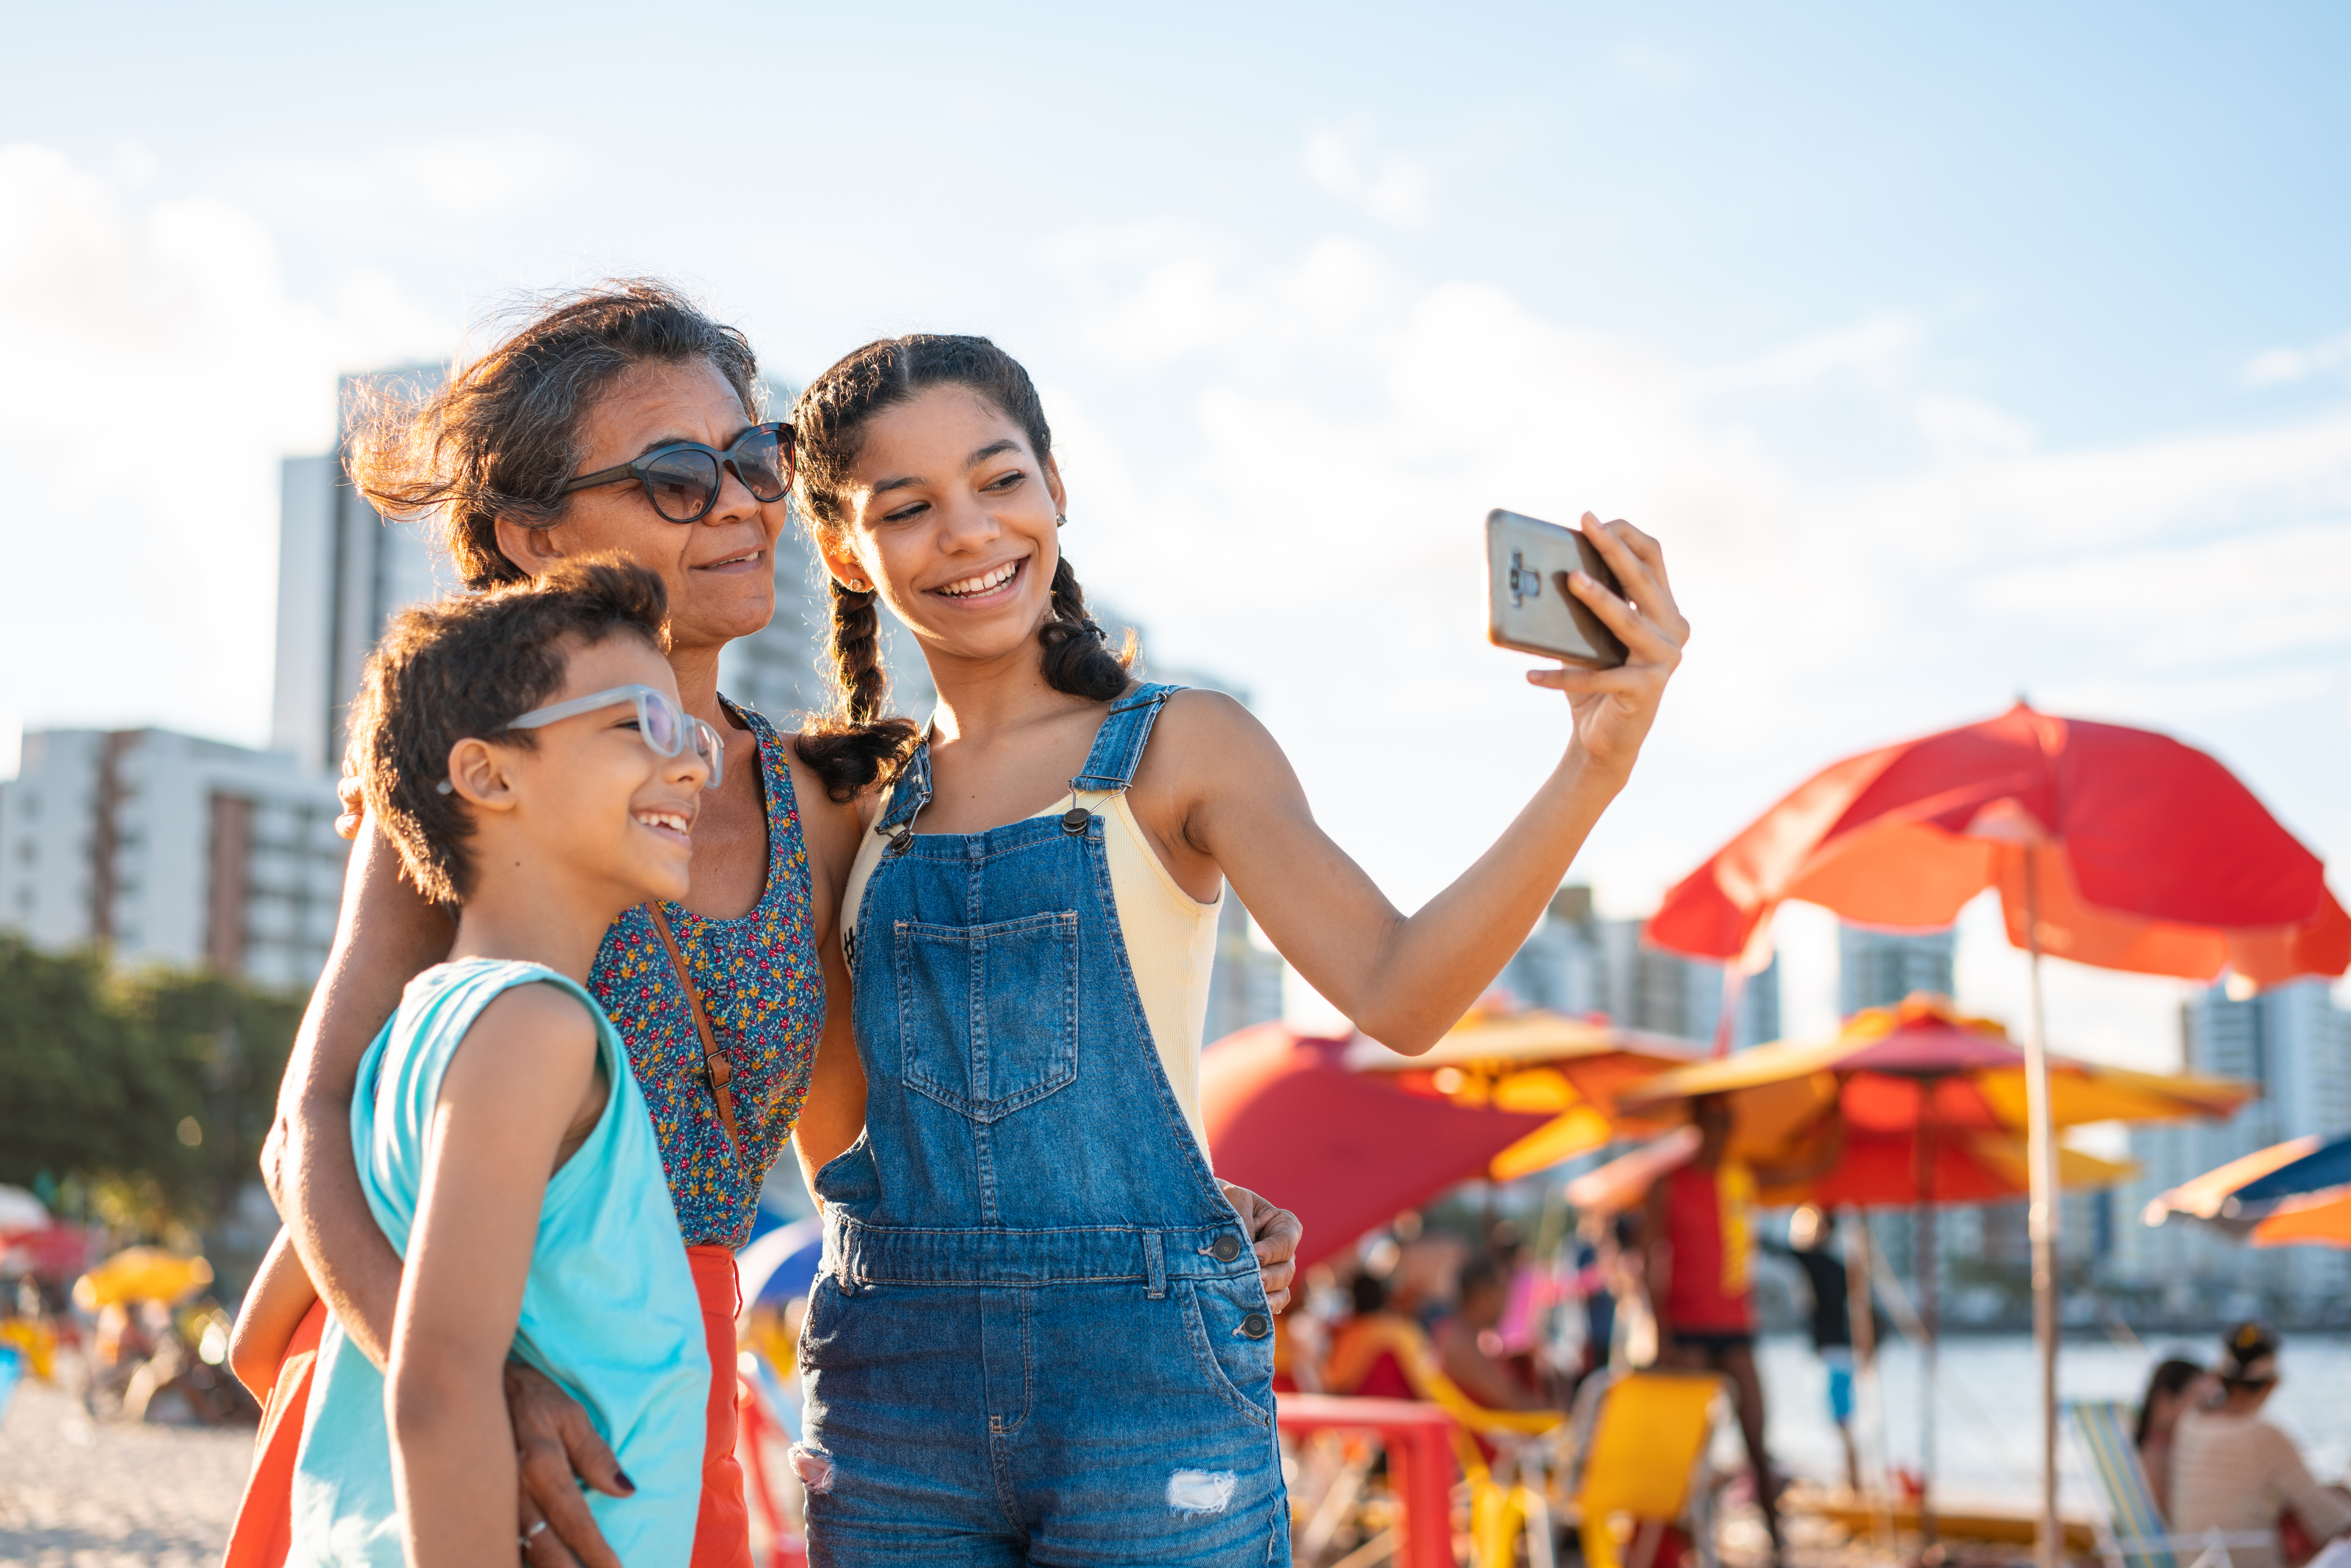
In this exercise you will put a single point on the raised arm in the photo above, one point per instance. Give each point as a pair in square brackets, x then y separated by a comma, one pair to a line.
[1405, 980]
[386, 935]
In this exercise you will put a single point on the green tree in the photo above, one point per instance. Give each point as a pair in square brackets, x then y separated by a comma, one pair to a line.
[160, 1082]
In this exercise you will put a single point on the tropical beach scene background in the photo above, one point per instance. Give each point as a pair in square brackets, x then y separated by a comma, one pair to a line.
[1965, 961]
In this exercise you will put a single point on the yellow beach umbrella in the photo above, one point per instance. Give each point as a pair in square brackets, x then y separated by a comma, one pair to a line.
[141, 1274]
[1572, 1070]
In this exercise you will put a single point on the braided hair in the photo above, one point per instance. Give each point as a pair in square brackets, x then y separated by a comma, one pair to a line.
[857, 742]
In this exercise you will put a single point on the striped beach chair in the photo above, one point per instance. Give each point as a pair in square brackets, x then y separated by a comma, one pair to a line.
[2136, 1535]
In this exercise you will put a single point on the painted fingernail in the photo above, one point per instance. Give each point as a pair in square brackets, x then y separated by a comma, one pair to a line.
[626, 1484]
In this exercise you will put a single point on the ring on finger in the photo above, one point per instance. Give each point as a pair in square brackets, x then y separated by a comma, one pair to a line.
[532, 1535]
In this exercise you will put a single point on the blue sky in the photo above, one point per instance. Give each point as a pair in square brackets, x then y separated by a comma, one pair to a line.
[1953, 355]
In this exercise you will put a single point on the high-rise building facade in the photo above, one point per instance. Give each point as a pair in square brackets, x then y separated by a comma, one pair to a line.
[1574, 962]
[161, 847]
[2294, 1042]
[1879, 968]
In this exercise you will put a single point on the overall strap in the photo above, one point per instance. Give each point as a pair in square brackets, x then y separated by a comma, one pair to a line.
[1118, 744]
[909, 792]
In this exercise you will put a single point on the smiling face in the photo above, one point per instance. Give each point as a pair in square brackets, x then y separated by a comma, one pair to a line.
[949, 515]
[721, 571]
[590, 795]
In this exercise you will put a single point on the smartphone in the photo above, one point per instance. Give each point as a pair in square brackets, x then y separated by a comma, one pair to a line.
[1528, 605]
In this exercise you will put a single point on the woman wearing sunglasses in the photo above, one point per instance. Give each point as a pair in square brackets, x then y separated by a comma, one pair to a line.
[618, 419]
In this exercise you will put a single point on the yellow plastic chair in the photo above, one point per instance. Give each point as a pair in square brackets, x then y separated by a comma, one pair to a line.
[1500, 1510]
[1640, 1449]
[36, 1342]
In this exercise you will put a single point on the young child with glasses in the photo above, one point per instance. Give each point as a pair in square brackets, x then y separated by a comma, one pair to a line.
[526, 752]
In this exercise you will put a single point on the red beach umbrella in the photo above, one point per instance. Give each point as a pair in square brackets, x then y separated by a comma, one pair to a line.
[2151, 857]
[1345, 1150]
[2110, 846]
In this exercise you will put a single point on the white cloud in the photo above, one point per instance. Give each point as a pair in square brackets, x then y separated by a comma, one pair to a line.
[2165, 704]
[2273, 367]
[2250, 593]
[1875, 349]
[1962, 428]
[158, 369]
[1393, 189]
[442, 177]
[1341, 426]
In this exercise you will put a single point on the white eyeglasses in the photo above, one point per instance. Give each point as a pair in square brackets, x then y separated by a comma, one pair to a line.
[660, 723]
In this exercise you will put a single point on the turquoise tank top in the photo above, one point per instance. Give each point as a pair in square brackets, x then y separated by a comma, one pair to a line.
[609, 1309]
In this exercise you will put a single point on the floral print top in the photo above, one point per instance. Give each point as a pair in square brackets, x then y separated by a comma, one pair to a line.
[764, 994]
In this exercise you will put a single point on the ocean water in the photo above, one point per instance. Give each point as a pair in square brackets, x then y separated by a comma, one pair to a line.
[1988, 1433]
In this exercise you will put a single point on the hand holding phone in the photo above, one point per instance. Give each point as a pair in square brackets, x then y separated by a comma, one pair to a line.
[1528, 607]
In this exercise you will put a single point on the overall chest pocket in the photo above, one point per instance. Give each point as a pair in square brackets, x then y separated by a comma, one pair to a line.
[987, 1015]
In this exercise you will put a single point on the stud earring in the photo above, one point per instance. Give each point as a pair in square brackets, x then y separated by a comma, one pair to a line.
[1061, 519]
[857, 585]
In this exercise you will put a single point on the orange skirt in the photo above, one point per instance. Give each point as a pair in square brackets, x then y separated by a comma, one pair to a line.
[722, 1530]
[264, 1530]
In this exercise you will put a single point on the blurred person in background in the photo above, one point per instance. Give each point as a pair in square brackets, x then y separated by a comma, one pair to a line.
[1810, 1237]
[1470, 1345]
[2233, 1471]
[1591, 1288]
[1698, 1243]
[1362, 1360]
[2176, 1387]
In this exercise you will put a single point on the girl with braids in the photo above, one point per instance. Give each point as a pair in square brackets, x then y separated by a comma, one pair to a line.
[1036, 1336]
[618, 419]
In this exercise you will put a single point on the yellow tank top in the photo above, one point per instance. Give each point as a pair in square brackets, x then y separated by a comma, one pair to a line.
[1171, 937]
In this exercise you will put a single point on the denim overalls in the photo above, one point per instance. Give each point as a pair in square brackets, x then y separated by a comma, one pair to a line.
[1039, 1334]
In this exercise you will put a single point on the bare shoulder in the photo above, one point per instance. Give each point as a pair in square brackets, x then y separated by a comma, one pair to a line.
[820, 813]
[1205, 739]
[531, 1030]
[1196, 716]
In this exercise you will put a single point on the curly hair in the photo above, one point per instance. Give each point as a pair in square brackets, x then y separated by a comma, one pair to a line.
[856, 743]
[500, 437]
[468, 667]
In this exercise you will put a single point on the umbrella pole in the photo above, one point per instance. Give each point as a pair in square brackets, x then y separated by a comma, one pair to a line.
[2041, 1154]
[1930, 1318]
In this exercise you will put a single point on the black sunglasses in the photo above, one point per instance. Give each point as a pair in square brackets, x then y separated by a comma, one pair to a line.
[681, 479]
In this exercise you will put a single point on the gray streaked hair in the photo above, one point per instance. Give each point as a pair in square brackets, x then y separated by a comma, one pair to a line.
[501, 435]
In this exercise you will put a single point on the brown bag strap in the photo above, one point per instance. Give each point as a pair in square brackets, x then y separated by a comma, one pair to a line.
[717, 1069]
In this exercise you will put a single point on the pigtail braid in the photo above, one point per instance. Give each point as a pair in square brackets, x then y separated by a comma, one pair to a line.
[855, 745]
[1077, 658]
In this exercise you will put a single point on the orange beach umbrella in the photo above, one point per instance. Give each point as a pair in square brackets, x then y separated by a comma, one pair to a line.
[1575, 1071]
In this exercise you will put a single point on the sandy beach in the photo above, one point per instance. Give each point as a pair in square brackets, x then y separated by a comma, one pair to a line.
[75, 1494]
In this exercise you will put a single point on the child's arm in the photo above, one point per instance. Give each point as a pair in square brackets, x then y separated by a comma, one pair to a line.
[525, 1077]
[265, 1320]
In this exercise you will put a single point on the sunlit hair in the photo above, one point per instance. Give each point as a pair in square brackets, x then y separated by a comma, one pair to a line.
[468, 667]
[502, 435]
[856, 743]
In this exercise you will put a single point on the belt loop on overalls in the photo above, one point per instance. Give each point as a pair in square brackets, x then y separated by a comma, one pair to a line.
[1155, 1264]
